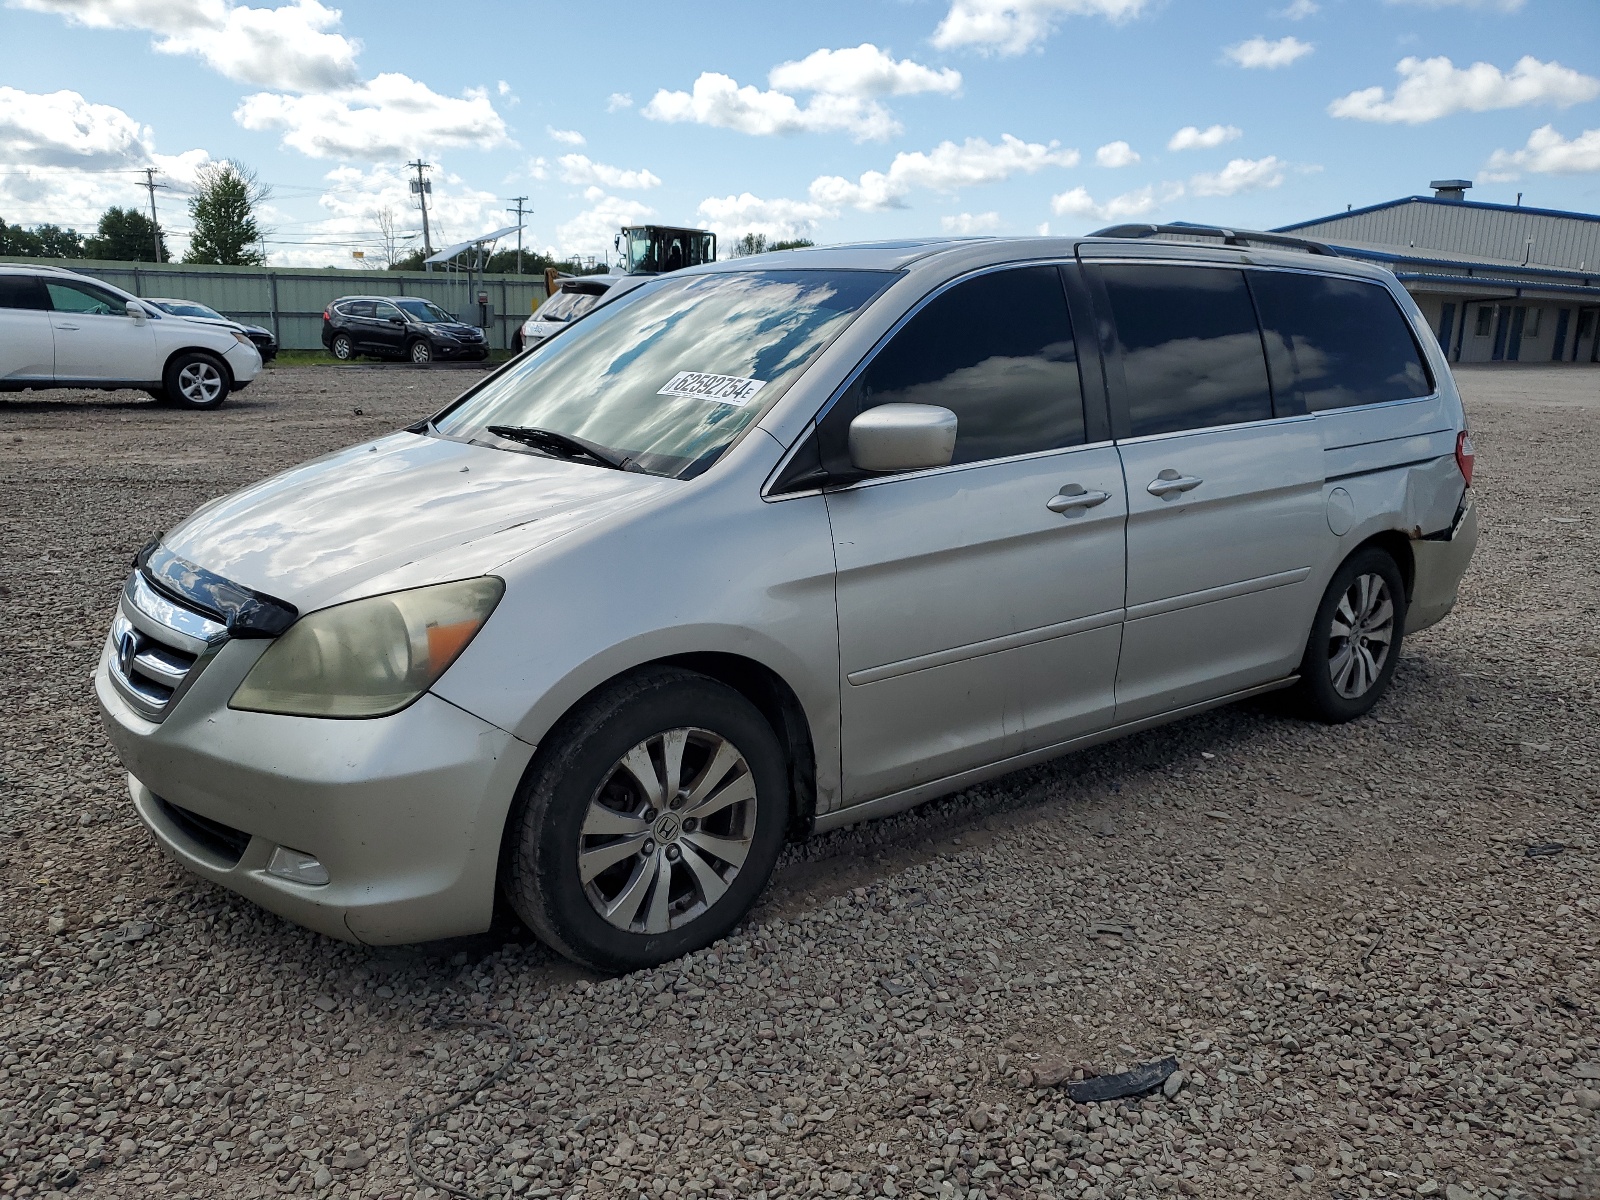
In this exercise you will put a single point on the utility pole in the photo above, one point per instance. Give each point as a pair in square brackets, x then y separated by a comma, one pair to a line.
[422, 188]
[151, 185]
[518, 211]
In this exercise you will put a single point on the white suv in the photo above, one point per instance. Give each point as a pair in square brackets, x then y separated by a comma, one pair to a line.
[59, 329]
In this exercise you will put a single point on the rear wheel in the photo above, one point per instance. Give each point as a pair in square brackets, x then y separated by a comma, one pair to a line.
[1355, 639]
[651, 825]
[421, 351]
[343, 348]
[196, 380]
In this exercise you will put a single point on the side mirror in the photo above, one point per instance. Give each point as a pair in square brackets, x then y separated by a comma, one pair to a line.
[397, 320]
[902, 437]
[136, 311]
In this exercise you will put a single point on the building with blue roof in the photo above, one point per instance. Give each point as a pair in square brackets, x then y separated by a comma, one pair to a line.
[1497, 282]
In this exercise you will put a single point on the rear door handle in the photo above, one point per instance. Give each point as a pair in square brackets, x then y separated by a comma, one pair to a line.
[1073, 498]
[1170, 483]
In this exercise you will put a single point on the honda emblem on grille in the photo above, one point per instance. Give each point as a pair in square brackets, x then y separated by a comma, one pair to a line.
[126, 649]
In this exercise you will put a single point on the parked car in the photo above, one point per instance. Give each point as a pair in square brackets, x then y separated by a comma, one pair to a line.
[567, 303]
[59, 329]
[265, 343]
[398, 327]
[758, 550]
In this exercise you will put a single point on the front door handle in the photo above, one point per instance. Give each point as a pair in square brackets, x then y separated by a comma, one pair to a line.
[62, 325]
[1073, 498]
[1170, 483]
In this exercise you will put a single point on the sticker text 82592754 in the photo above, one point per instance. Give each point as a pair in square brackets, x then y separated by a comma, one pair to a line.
[724, 389]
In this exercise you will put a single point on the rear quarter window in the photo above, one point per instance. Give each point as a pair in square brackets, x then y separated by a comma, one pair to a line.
[22, 291]
[1336, 343]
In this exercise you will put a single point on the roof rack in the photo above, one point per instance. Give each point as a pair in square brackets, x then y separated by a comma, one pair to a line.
[1230, 237]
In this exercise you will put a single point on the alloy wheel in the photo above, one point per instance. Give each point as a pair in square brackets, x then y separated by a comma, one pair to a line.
[342, 348]
[1360, 636]
[667, 831]
[421, 352]
[200, 382]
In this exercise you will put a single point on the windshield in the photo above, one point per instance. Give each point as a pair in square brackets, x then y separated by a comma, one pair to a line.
[670, 374]
[421, 310]
[188, 308]
[566, 306]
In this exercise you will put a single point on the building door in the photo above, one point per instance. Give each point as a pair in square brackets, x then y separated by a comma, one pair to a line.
[1447, 323]
[1559, 348]
[1584, 342]
[1502, 329]
[1519, 320]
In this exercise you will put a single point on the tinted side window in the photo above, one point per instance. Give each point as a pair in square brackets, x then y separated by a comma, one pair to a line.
[85, 298]
[22, 291]
[384, 311]
[359, 308]
[1191, 350]
[1334, 343]
[997, 351]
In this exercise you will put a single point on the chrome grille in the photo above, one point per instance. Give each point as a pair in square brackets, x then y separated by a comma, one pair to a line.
[158, 648]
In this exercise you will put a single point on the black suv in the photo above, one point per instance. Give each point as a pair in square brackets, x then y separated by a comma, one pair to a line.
[404, 327]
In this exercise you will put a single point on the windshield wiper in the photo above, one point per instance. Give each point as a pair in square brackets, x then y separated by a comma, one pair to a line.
[563, 445]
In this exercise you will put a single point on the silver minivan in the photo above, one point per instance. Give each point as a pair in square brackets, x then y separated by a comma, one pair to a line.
[772, 546]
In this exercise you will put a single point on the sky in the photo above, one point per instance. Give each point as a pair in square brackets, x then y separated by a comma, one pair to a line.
[830, 121]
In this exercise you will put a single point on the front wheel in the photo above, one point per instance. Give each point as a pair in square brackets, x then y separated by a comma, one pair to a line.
[1355, 639]
[652, 823]
[196, 380]
[421, 351]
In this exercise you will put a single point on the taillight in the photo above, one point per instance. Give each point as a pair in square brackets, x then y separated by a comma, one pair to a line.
[1465, 455]
[326, 313]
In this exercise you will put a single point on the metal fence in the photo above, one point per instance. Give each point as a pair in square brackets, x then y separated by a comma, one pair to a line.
[289, 300]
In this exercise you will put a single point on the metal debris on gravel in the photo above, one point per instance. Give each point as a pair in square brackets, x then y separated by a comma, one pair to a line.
[1370, 989]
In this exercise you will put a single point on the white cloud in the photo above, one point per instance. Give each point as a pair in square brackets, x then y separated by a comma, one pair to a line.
[390, 117]
[1505, 6]
[567, 137]
[1435, 87]
[68, 159]
[285, 47]
[1044, 229]
[1259, 53]
[593, 230]
[1547, 153]
[1139, 203]
[946, 168]
[846, 87]
[1240, 175]
[1192, 137]
[1012, 26]
[1116, 154]
[777, 219]
[576, 168]
[618, 100]
[863, 71]
[719, 100]
[355, 196]
[967, 224]
[1300, 10]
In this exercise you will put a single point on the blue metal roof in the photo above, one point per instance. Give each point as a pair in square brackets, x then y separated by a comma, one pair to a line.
[1478, 204]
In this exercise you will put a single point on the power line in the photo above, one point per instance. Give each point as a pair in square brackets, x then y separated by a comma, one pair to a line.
[423, 189]
[518, 210]
[151, 185]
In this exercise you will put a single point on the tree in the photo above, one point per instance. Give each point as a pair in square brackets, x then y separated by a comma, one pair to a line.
[390, 238]
[226, 231]
[756, 243]
[126, 235]
[42, 241]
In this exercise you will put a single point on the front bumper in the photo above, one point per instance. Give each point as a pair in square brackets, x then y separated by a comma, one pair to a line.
[244, 362]
[1440, 563]
[460, 349]
[405, 812]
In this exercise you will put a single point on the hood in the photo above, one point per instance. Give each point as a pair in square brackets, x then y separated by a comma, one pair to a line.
[458, 328]
[329, 528]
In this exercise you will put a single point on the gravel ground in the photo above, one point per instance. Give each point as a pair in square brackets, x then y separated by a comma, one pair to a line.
[1371, 986]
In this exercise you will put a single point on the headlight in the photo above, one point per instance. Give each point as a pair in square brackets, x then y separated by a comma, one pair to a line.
[242, 340]
[371, 657]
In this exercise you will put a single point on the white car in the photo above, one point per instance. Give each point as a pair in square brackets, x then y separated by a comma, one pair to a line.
[59, 329]
[570, 301]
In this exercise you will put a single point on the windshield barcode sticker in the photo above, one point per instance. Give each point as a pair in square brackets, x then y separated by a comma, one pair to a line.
[724, 389]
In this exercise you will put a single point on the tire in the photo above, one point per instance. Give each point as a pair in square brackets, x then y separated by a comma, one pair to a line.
[420, 352]
[342, 347]
[1340, 681]
[580, 798]
[516, 341]
[196, 380]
